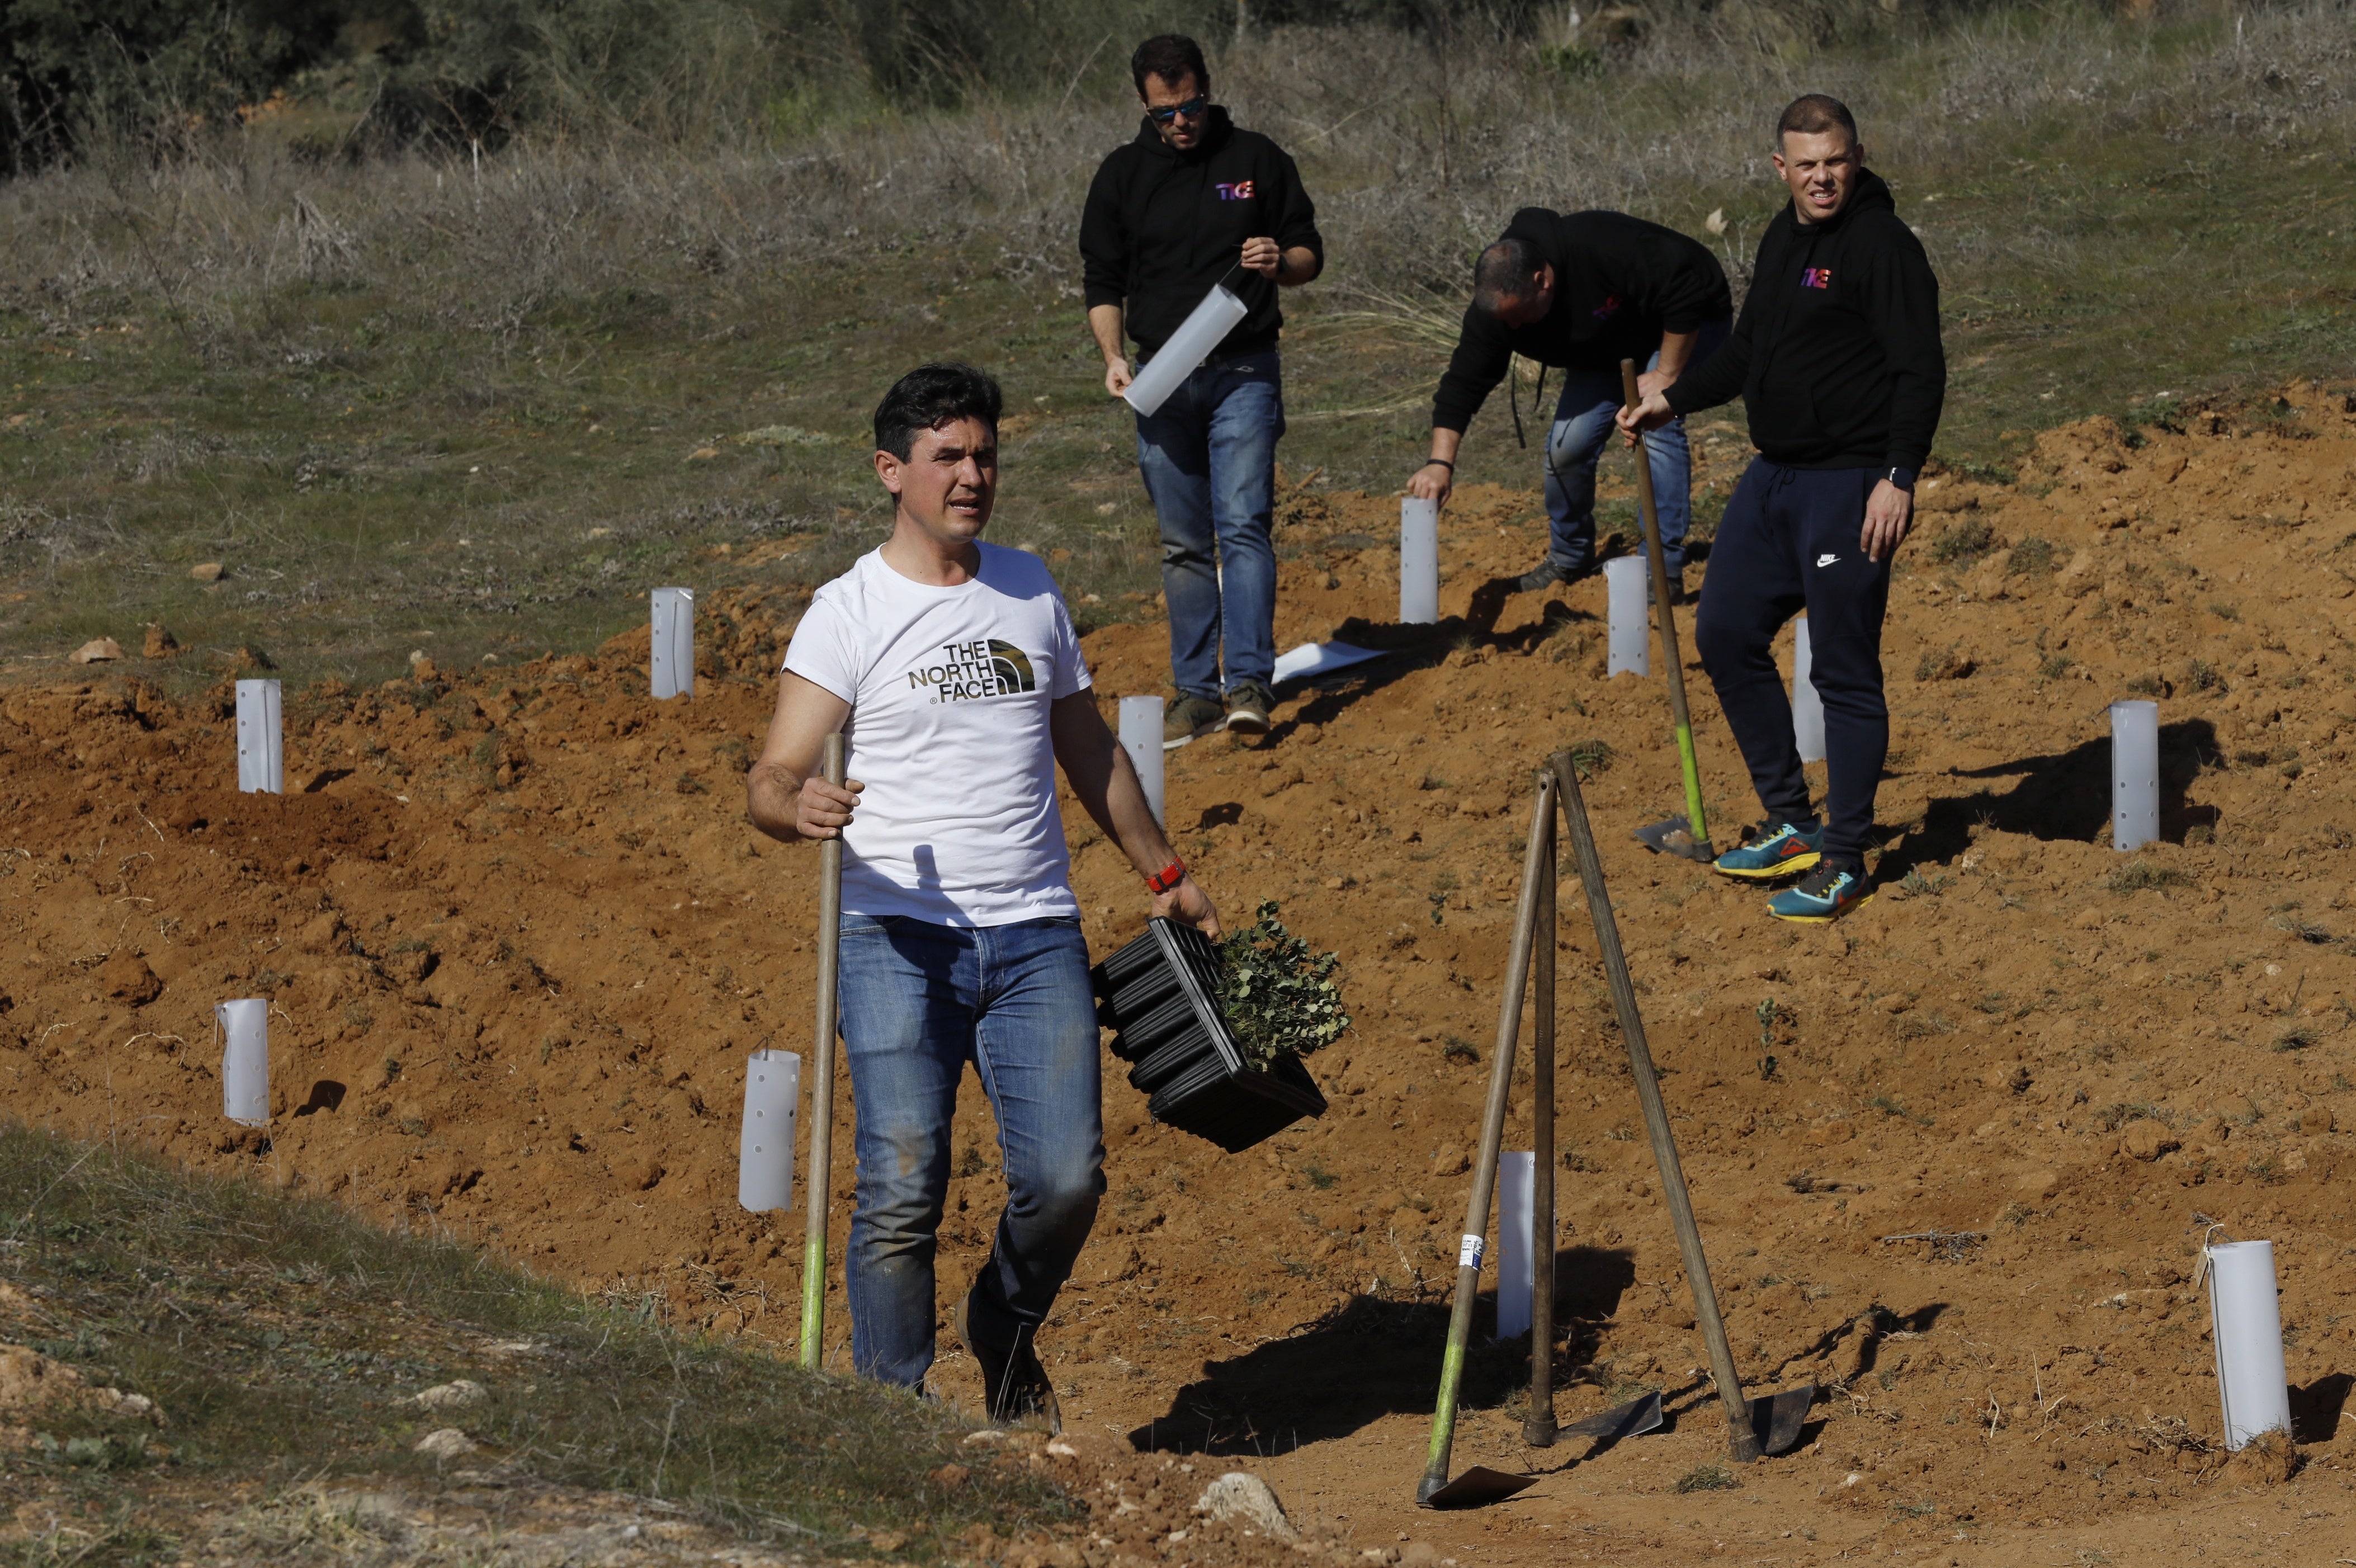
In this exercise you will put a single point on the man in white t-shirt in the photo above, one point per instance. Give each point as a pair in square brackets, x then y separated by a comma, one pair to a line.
[952, 669]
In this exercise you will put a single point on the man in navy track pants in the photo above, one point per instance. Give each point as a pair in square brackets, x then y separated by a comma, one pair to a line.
[1838, 360]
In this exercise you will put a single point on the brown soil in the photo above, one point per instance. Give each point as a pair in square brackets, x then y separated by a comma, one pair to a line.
[518, 940]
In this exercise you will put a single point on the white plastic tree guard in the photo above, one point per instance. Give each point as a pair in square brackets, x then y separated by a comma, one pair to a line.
[1418, 562]
[1516, 1192]
[245, 1060]
[2245, 1323]
[261, 739]
[2135, 774]
[1631, 633]
[673, 674]
[1140, 736]
[1188, 346]
[1807, 708]
[765, 1150]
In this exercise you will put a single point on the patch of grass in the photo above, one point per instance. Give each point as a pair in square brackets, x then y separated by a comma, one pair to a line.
[2199, 675]
[2032, 557]
[1591, 756]
[2141, 875]
[1963, 540]
[2224, 611]
[2297, 1038]
[1318, 1175]
[2053, 666]
[1711, 1477]
[274, 1331]
[1457, 1049]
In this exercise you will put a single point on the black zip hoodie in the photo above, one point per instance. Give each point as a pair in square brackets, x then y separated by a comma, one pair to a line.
[1837, 354]
[1161, 228]
[1618, 284]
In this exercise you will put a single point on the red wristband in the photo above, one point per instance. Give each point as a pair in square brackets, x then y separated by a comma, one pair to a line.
[1169, 876]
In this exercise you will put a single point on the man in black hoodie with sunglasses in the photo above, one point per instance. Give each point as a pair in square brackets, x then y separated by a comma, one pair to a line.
[1190, 203]
[1837, 358]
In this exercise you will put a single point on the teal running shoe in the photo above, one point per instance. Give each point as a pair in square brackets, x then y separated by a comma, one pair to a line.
[1826, 895]
[1779, 851]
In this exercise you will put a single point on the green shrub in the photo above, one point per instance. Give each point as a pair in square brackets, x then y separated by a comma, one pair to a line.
[1279, 996]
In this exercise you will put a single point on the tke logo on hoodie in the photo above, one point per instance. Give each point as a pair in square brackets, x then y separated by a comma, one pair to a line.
[972, 670]
[1241, 191]
[1815, 277]
[1608, 309]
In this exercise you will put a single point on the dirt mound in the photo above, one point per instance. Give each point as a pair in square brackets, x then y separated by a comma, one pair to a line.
[1952, 1157]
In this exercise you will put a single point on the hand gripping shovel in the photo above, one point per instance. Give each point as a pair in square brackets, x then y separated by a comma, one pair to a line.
[818, 1191]
[1688, 835]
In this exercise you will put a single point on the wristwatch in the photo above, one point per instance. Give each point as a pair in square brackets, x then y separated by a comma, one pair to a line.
[1901, 478]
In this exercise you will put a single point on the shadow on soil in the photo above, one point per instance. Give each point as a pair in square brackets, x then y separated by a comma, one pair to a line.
[2315, 1409]
[2062, 794]
[1370, 1358]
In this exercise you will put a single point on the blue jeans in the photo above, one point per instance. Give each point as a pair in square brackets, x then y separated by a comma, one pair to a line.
[919, 1001]
[1582, 424]
[1209, 460]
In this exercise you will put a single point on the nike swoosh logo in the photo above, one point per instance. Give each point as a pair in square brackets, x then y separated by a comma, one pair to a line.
[1826, 560]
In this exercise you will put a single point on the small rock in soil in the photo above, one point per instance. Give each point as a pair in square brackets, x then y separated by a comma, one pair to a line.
[1236, 1496]
[445, 1443]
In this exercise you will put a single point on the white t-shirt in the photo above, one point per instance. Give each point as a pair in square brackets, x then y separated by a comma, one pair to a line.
[949, 690]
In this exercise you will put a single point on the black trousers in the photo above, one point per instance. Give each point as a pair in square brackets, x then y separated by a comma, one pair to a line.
[1789, 543]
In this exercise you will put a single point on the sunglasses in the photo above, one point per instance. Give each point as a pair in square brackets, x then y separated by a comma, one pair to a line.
[1193, 109]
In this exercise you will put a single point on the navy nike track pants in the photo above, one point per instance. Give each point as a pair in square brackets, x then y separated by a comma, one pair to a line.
[1789, 543]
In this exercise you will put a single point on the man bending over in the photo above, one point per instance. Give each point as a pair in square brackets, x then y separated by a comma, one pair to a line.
[953, 671]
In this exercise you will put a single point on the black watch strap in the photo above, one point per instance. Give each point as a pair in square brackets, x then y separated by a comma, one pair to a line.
[1901, 478]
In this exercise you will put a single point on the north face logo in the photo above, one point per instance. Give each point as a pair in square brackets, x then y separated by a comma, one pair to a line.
[969, 671]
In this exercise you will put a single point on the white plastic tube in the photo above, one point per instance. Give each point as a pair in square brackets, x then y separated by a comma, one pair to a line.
[1516, 1190]
[1418, 562]
[765, 1150]
[2135, 774]
[673, 674]
[261, 739]
[1807, 708]
[2246, 1321]
[1631, 633]
[1140, 736]
[245, 1060]
[1185, 349]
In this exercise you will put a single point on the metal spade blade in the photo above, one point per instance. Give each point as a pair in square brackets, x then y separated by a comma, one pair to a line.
[1777, 1418]
[1675, 836]
[1621, 1420]
[1477, 1485]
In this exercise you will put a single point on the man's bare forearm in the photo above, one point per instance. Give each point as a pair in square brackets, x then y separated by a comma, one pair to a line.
[772, 794]
[1106, 784]
[1105, 322]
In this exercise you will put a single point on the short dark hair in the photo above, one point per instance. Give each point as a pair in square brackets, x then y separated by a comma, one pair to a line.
[1814, 114]
[1504, 273]
[1169, 56]
[929, 396]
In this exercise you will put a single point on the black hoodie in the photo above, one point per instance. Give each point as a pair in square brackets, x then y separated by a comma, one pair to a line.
[1618, 284]
[1161, 228]
[1836, 353]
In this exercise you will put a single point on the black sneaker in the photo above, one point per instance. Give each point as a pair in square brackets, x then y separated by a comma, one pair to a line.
[1546, 575]
[1676, 582]
[1248, 702]
[1014, 1385]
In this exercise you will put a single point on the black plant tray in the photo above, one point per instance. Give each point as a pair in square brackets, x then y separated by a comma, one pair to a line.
[1159, 995]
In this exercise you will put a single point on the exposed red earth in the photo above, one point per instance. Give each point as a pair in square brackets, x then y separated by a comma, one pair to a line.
[518, 940]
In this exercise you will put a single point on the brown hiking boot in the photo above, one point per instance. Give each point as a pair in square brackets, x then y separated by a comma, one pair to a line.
[1247, 708]
[1189, 717]
[1014, 1385]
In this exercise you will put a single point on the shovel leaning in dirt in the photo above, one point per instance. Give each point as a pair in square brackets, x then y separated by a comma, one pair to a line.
[819, 1193]
[1686, 836]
